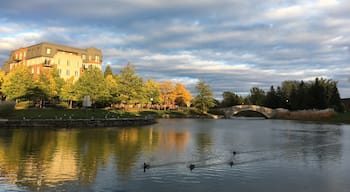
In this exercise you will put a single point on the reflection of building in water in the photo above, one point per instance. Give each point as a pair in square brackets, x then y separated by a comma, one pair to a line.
[63, 166]
[37, 172]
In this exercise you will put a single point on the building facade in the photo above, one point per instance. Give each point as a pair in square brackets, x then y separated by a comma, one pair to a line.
[69, 61]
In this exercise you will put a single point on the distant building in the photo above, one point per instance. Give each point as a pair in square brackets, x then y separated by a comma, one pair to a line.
[69, 61]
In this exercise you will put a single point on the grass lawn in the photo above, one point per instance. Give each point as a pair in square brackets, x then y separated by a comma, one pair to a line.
[53, 113]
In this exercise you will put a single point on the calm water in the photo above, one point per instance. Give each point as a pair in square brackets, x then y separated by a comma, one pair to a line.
[271, 156]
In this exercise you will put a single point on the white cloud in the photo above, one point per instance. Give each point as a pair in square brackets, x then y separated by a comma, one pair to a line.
[232, 45]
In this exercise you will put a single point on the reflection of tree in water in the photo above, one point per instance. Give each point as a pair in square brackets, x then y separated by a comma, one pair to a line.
[25, 153]
[41, 158]
[129, 143]
[93, 152]
[314, 141]
[204, 142]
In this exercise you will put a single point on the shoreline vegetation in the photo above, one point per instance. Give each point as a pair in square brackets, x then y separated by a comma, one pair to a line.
[90, 115]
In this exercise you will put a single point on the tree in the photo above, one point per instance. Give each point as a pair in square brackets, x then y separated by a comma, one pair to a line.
[152, 91]
[231, 99]
[257, 96]
[108, 71]
[47, 84]
[112, 88]
[2, 79]
[68, 92]
[58, 80]
[130, 86]
[317, 95]
[182, 96]
[91, 83]
[17, 83]
[204, 100]
[271, 98]
[167, 93]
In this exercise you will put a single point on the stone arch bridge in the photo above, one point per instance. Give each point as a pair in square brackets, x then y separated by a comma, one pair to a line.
[265, 111]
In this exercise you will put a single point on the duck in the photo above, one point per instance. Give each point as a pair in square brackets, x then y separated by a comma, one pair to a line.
[231, 163]
[146, 166]
[234, 152]
[192, 166]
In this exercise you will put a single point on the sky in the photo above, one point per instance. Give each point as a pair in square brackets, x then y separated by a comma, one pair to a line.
[232, 45]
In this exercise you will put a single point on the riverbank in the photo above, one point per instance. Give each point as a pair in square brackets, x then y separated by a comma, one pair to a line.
[334, 118]
[76, 123]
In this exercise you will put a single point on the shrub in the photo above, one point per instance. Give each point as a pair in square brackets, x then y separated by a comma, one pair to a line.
[7, 108]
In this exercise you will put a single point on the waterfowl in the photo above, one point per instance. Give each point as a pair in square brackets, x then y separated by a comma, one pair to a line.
[146, 166]
[231, 163]
[234, 152]
[192, 166]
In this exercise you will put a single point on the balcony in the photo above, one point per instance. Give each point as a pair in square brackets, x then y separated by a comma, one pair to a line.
[47, 63]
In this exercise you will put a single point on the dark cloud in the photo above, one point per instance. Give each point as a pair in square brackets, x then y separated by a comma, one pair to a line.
[232, 45]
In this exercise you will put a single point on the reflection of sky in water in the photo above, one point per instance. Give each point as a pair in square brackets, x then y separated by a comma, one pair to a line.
[271, 156]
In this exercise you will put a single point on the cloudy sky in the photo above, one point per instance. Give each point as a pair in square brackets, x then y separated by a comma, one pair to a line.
[232, 45]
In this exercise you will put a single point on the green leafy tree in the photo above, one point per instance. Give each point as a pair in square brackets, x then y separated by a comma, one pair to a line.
[108, 71]
[68, 92]
[2, 79]
[231, 99]
[257, 96]
[131, 86]
[152, 91]
[112, 88]
[59, 81]
[92, 83]
[204, 100]
[47, 84]
[17, 83]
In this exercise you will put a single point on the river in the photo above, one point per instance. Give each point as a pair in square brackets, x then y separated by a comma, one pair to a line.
[271, 155]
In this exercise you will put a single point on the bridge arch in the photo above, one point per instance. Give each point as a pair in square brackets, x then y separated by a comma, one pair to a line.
[265, 111]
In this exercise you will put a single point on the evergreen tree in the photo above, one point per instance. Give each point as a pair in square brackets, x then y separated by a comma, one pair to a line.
[272, 99]
[108, 71]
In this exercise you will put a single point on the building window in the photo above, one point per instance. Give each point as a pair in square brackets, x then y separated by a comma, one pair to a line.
[97, 58]
[76, 73]
[48, 51]
[24, 54]
[16, 56]
[59, 71]
[84, 57]
[77, 64]
[38, 70]
[67, 72]
[59, 61]
[89, 58]
[20, 55]
[32, 70]
[67, 63]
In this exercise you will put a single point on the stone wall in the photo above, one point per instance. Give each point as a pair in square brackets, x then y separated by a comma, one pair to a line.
[76, 123]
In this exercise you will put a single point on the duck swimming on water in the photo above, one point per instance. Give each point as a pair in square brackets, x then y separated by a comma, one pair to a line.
[192, 166]
[231, 163]
[146, 166]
